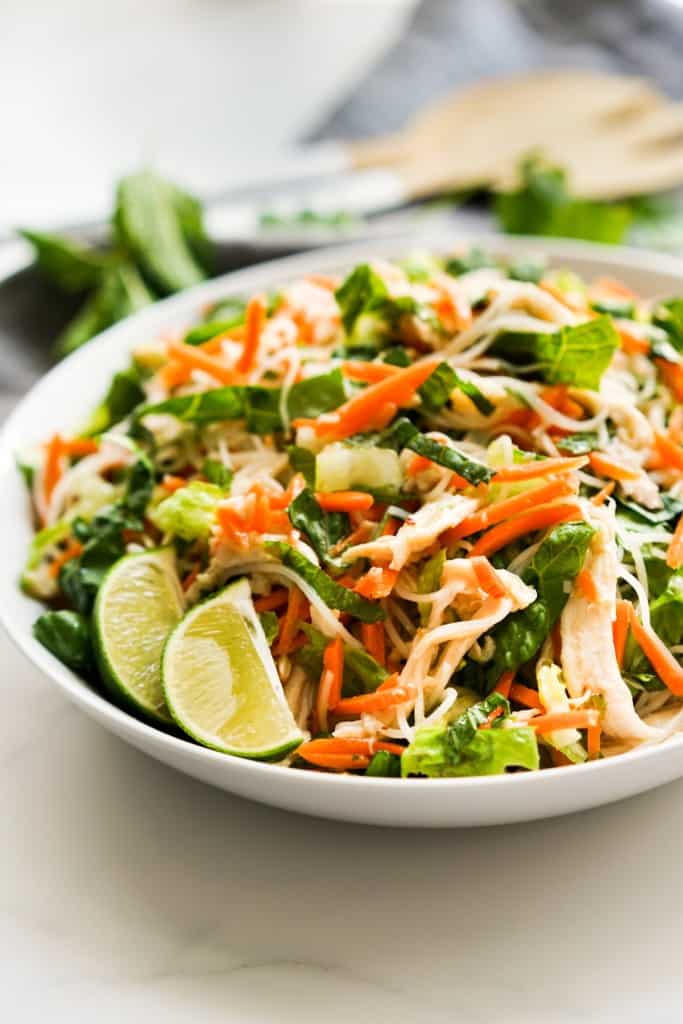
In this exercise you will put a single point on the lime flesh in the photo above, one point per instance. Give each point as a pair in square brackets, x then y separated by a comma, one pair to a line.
[220, 681]
[137, 607]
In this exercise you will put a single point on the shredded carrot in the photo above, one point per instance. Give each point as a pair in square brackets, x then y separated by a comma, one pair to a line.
[330, 685]
[231, 525]
[72, 550]
[344, 501]
[376, 583]
[539, 467]
[631, 344]
[297, 610]
[620, 628]
[323, 281]
[586, 584]
[173, 374]
[276, 599]
[371, 373]
[593, 741]
[504, 684]
[452, 306]
[488, 578]
[601, 497]
[194, 358]
[659, 655]
[374, 640]
[79, 446]
[344, 754]
[675, 425]
[674, 553]
[673, 376]
[508, 507]
[370, 703]
[535, 519]
[418, 464]
[285, 498]
[255, 318]
[604, 465]
[52, 470]
[173, 483]
[355, 414]
[671, 453]
[526, 696]
[190, 578]
[609, 286]
[565, 720]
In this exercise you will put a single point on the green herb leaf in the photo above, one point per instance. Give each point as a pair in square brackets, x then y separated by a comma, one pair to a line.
[270, 625]
[542, 205]
[161, 226]
[576, 355]
[313, 396]
[71, 267]
[578, 444]
[669, 316]
[120, 293]
[66, 635]
[323, 529]
[671, 509]
[436, 391]
[474, 259]
[302, 460]
[362, 290]
[124, 394]
[404, 434]
[385, 765]
[218, 473]
[553, 568]
[334, 595]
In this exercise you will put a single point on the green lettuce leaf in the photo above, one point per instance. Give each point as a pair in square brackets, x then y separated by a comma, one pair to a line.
[404, 434]
[190, 512]
[67, 635]
[334, 595]
[553, 568]
[462, 748]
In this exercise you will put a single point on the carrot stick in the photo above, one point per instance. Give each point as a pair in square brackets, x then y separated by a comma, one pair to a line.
[525, 695]
[565, 720]
[173, 483]
[675, 425]
[620, 629]
[601, 497]
[659, 655]
[371, 373]
[488, 578]
[330, 284]
[593, 741]
[606, 466]
[374, 640]
[79, 446]
[376, 583]
[255, 318]
[671, 453]
[330, 685]
[52, 470]
[269, 602]
[673, 377]
[674, 553]
[586, 584]
[343, 753]
[193, 358]
[297, 609]
[501, 510]
[344, 501]
[72, 550]
[355, 414]
[631, 344]
[539, 467]
[609, 286]
[504, 684]
[380, 700]
[534, 519]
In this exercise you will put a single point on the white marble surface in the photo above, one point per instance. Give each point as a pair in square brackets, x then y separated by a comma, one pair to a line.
[130, 893]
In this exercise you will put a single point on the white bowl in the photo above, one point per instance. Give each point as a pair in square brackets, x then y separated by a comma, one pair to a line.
[62, 399]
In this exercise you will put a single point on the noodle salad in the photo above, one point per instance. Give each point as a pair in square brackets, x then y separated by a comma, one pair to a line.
[451, 490]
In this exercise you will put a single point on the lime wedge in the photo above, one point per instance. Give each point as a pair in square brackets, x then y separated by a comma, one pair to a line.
[220, 680]
[137, 606]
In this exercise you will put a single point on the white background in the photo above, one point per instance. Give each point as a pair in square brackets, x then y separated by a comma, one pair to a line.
[130, 893]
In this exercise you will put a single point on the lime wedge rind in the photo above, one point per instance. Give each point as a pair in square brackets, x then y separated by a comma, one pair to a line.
[220, 681]
[137, 606]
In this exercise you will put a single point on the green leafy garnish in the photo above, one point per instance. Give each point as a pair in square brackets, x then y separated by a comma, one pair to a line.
[323, 529]
[270, 625]
[543, 205]
[67, 635]
[669, 316]
[216, 472]
[404, 434]
[577, 354]
[121, 291]
[73, 268]
[365, 292]
[436, 391]
[333, 595]
[578, 444]
[553, 569]
[462, 748]
[124, 395]
[385, 765]
[362, 674]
